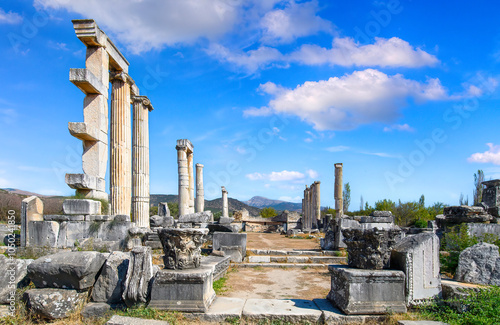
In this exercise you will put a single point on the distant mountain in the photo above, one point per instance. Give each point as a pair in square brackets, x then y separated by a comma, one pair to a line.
[21, 192]
[262, 202]
[213, 205]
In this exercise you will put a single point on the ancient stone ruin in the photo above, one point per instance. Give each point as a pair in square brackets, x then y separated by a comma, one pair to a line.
[311, 207]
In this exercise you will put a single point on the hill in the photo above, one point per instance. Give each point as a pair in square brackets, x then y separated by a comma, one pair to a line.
[262, 202]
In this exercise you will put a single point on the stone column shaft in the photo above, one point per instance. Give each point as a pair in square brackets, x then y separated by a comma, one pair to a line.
[200, 194]
[317, 207]
[191, 182]
[225, 207]
[120, 141]
[339, 204]
[140, 161]
[184, 150]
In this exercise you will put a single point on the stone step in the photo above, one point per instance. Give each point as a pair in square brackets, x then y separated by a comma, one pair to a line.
[281, 265]
[274, 252]
[296, 259]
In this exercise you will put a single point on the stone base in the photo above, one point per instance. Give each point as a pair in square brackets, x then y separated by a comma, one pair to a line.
[183, 290]
[358, 291]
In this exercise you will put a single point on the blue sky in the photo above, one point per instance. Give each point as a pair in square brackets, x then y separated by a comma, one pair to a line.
[271, 93]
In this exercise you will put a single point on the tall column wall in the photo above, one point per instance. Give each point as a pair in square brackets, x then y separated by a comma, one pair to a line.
[140, 161]
[339, 204]
[200, 193]
[184, 150]
[120, 141]
[225, 207]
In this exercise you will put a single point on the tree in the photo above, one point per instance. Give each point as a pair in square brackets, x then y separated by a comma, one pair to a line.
[462, 201]
[346, 197]
[174, 209]
[385, 205]
[361, 204]
[421, 201]
[268, 212]
[478, 187]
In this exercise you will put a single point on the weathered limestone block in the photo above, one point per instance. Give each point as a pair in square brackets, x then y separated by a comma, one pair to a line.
[69, 270]
[183, 290]
[230, 239]
[139, 274]
[163, 210]
[241, 215]
[43, 233]
[479, 264]
[110, 285]
[232, 227]
[159, 221]
[370, 248]
[87, 82]
[356, 291]
[85, 182]
[223, 220]
[54, 303]
[464, 213]
[81, 207]
[233, 252]
[418, 257]
[96, 310]
[182, 247]
[328, 243]
[198, 217]
[31, 210]
[220, 264]
[18, 268]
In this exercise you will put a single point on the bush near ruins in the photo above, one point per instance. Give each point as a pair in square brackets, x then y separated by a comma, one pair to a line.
[268, 212]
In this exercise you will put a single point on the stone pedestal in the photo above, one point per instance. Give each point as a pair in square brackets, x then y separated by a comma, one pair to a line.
[140, 161]
[182, 247]
[356, 291]
[183, 290]
[31, 210]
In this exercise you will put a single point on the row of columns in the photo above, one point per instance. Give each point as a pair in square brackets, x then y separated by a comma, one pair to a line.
[186, 197]
[311, 206]
[128, 148]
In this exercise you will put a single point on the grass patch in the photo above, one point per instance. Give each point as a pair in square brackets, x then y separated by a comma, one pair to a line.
[220, 285]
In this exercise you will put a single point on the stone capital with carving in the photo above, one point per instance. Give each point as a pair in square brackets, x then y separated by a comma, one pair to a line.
[182, 247]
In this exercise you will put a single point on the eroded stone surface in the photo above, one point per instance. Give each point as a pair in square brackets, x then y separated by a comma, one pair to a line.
[54, 303]
[110, 285]
[139, 274]
[182, 247]
[479, 264]
[17, 268]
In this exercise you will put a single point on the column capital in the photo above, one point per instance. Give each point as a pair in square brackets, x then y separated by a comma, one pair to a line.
[144, 100]
[200, 165]
[184, 144]
[122, 76]
[223, 189]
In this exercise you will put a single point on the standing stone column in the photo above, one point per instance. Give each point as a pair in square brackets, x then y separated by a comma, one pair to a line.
[317, 206]
[120, 142]
[225, 208]
[191, 182]
[200, 194]
[308, 209]
[31, 210]
[339, 204]
[184, 151]
[140, 161]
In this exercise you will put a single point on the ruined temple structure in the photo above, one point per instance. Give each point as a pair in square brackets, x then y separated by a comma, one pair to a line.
[128, 152]
[311, 206]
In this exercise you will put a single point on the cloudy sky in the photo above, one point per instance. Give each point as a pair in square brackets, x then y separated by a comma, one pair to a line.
[271, 93]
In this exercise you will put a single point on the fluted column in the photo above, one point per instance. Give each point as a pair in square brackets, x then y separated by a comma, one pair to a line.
[339, 204]
[191, 182]
[140, 161]
[200, 193]
[225, 207]
[184, 150]
[120, 143]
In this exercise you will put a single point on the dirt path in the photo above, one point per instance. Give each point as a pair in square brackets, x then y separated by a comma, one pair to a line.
[281, 283]
[280, 242]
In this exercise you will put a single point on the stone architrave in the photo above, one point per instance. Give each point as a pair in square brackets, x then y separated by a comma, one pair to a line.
[31, 210]
[101, 57]
[418, 257]
[184, 149]
[339, 203]
[182, 247]
[225, 208]
[121, 146]
[200, 194]
[140, 161]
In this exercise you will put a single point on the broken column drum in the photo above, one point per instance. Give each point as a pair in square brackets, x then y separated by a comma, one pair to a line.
[200, 194]
[140, 161]
[185, 166]
[182, 247]
[121, 148]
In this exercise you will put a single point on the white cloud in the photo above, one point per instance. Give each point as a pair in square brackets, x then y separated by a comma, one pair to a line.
[284, 175]
[393, 52]
[290, 199]
[312, 173]
[10, 17]
[337, 148]
[143, 25]
[399, 127]
[249, 61]
[293, 21]
[308, 140]
[491, 156]
[344, 103]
